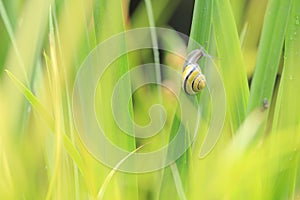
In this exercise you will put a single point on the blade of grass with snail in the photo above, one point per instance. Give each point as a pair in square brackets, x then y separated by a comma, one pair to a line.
[231, 63]
[213, 98]
[287, 108]
[109, 20]
[179, 172]
[200, 34]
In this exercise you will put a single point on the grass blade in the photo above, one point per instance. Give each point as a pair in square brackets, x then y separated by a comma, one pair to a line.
[238, 11]
[251, 32]
[48, 118]
[246, 133]
[178, 183]
[162, 13]
[113, 22]
[12, 38]
[287, 108]
[269, 52]
[230, 55]
[32, 99]
[201, 23]
[200, 34]
[113, 171]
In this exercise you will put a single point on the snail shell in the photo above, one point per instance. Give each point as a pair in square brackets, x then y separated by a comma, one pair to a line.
[192, 78]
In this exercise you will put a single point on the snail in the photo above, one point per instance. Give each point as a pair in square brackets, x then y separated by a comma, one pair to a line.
[193, 80]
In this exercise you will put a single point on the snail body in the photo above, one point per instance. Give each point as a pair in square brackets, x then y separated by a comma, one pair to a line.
[193, 81]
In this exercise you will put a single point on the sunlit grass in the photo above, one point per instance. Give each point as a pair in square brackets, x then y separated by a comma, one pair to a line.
[255, 45]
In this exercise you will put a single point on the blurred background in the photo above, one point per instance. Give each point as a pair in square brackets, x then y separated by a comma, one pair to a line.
[252, 44]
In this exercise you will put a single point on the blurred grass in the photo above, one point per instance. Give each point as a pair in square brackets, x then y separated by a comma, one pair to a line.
[251, 31]
[41, 154]
[109, 16]
[162, 11]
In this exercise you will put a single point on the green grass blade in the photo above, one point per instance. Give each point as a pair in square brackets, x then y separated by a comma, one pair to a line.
[12, 38]
[113, 171]
[114, 25]
[269, 52]
[200, 34]
[32, 99]
[154, 40]
[287, 108]
[68, 143]
[201, 23]
[180, 175]
[238, 7]
[251, 32]
[48, 118]
[163, 10]
[99, 16]
[230, 57]
[246, 133]
[112, 22]
[178, 183]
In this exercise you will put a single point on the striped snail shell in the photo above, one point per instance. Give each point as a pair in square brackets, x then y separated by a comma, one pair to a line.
[192, 78]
